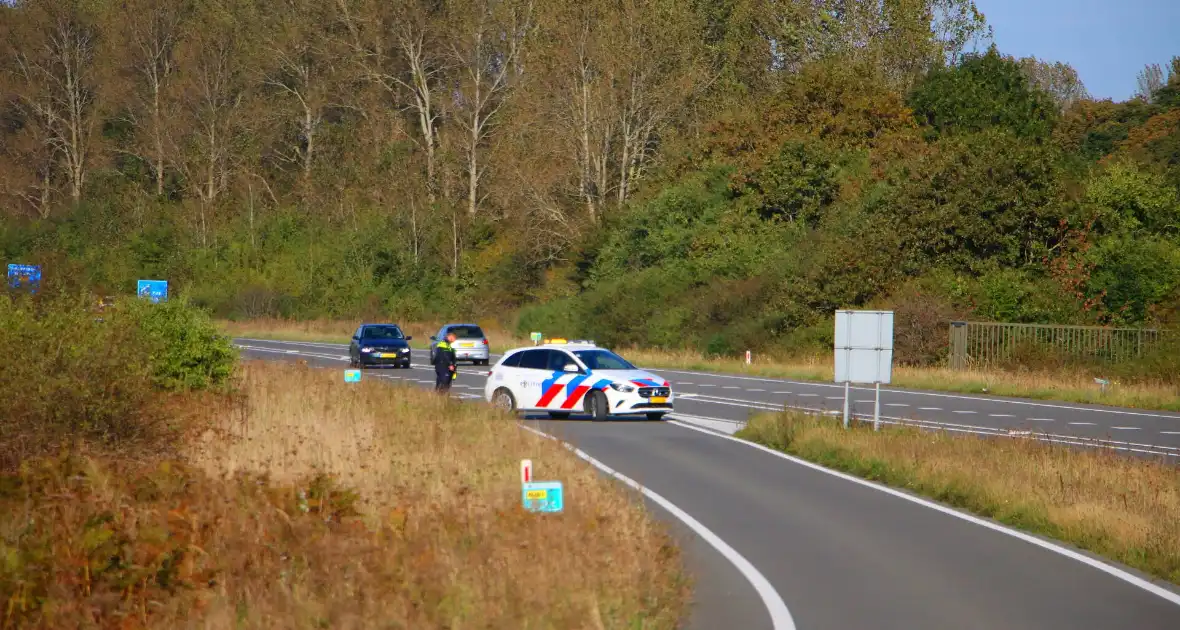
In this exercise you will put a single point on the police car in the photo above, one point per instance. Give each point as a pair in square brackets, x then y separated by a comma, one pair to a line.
[564, 377]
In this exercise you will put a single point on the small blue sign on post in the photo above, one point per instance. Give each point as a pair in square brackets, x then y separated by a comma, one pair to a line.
[26, 276]
[542, 496]
[352, 376]
[154, 290]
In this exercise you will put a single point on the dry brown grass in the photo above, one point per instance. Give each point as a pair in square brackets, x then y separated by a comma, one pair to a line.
[1125, 508]
[308, 502]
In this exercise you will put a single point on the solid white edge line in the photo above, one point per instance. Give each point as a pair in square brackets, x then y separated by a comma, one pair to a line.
[1029, 538]
[780, 616]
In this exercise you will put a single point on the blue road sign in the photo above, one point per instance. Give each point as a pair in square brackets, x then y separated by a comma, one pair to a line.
[154, 290]
[352, 376]
[542, 496]
[28, 276]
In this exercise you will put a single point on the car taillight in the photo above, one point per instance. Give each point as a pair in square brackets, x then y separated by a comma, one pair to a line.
[489, 372]
[485, 342]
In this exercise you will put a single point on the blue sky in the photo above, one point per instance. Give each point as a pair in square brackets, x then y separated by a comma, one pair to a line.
[1107, 41]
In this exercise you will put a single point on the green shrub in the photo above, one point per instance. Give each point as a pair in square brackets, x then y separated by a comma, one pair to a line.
[66, 377]
[186, 351]
[72, 375]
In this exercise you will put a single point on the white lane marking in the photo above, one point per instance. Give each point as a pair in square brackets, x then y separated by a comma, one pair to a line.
[780, 617]
[755, 390]
[1082, 424]
[1125, 428]
[907, 392]
[896, 405]
[683, 383]
[830, 397]
[1000, 415]
[731, 387]
[929, 408]
[784, 393]
[1170, 432]
[707, 385]
[1041, 420]
[810, 395]
[963, 411]
[1043, 544]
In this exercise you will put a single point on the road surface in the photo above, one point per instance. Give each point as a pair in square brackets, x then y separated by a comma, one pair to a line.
[841, 553]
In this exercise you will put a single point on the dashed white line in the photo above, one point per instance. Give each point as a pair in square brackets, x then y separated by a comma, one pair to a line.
[831, 397]
[896, 405]
[685, 383]
[1170, 432]
[963, 411]
[929, 408]
[1041, 420]
[784, 393]
[1082, 424]
[755, 390]
[1125, 428]
[808, 395]
[731, 387]
[707, 385]
[1000, 415]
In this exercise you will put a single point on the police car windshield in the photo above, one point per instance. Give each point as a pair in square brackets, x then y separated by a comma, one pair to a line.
[383, 332]
[602, 360]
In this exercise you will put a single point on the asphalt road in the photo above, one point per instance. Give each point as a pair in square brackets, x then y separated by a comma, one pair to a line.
[839, 552]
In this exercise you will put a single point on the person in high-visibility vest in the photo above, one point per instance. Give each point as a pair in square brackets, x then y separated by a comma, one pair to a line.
[445, 365]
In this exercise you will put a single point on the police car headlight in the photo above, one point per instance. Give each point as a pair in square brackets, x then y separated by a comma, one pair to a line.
[622, 387]
[366, 349]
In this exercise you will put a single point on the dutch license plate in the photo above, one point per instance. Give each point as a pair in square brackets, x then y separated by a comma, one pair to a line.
[386, 355]
[659, 400]
[536, 495]
[465, 345]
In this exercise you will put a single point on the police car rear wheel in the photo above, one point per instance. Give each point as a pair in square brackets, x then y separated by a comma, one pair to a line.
[503, 399]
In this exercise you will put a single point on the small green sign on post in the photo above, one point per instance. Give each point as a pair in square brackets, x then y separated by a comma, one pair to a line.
[536, 337]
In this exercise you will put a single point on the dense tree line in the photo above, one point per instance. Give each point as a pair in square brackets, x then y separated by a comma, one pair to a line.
[681, 172]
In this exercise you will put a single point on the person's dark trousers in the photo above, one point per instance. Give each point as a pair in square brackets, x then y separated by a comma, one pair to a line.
[442, 381]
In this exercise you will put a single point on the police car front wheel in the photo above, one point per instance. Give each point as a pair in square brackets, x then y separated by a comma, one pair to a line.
[597, 406]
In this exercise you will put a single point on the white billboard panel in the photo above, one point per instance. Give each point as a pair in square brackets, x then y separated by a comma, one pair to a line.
[864, 346]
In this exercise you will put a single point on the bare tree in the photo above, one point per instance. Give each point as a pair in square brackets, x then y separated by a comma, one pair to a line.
[53, 60]
[397, 47]
[1150, 80]
[152, 30]
[213, 91]
[487, 54]
[1059, 80]
[304, 66]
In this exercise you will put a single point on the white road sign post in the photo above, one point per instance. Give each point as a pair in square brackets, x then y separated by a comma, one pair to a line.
[864, 354]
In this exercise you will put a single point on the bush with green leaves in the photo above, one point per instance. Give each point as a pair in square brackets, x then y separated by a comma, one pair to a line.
[185, 349]
[74, 375]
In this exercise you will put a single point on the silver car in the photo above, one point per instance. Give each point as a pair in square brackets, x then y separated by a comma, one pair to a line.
[470, 343]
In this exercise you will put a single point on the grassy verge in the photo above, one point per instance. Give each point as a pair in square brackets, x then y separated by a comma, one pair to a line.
[1119, 507]
[1066, 386]
[304, 502]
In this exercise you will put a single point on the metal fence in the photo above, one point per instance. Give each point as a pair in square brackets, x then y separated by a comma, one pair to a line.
[980, 344]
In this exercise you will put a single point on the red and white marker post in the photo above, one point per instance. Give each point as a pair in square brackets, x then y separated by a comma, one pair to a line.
[526, 470]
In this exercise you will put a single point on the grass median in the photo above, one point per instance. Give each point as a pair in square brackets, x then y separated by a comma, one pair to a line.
[1123, 508]
[1076, 386]
[300, 501]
